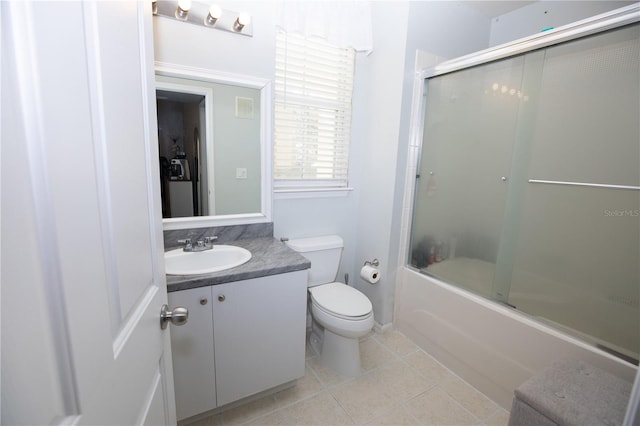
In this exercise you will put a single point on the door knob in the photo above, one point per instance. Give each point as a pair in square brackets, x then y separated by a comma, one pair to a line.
[178, 316]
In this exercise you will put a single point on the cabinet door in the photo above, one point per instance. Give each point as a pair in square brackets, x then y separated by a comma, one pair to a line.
[193, 357]
[259, 328]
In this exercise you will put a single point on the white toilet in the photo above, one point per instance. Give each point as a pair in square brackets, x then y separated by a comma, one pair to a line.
[341, 314]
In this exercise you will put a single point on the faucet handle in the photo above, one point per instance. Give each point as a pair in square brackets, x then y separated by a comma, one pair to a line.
[210, 240]
[186, 242]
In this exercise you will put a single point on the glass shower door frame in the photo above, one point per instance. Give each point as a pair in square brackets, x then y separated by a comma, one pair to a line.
[532, 47]
[593, 25]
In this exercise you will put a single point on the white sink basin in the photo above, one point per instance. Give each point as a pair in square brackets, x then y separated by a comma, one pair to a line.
[221, 257]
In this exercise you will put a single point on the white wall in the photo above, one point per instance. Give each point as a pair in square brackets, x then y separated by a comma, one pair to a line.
[197, 46]
[380, 77]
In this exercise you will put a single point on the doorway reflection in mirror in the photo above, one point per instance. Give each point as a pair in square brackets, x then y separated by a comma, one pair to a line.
[209, 144]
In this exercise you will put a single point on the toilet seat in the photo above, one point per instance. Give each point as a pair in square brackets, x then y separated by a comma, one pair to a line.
[341, 301]
[340, 316]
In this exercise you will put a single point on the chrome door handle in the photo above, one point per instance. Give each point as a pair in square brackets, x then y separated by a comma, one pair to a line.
[178, 316]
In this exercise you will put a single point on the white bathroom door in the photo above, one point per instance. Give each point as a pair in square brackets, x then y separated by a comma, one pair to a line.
[82, 253]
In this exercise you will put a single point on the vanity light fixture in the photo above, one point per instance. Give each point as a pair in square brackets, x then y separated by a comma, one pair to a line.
[209, 16]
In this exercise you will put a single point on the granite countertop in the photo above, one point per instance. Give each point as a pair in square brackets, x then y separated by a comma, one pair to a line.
[269, 256]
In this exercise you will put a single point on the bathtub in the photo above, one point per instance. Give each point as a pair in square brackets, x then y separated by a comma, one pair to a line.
[585, 310]
[492, 346]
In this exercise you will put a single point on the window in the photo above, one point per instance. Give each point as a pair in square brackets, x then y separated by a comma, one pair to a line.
[313, 88]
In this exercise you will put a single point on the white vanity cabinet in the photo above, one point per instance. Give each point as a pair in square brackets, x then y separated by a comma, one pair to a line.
[247, 338]
[259, 332]
[194, 373]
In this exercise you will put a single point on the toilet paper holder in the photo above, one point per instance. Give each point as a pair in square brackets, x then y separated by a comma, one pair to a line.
[374, 262]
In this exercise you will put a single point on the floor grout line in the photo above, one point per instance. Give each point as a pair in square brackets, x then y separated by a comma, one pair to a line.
[394, 348]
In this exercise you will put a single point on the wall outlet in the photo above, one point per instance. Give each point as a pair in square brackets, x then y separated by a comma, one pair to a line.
[241, 173]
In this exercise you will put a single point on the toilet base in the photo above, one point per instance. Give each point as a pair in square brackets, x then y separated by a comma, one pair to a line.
[315, 340]
[341, 354]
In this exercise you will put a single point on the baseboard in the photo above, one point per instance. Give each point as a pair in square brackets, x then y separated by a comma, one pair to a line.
[382, 328]
[255, 397]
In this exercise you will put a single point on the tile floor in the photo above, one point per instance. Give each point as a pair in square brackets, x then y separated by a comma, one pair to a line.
[400, 385]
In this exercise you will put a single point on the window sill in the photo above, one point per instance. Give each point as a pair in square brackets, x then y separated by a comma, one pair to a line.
[289, 193]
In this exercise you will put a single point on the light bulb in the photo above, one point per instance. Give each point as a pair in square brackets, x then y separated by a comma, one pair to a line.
[242, 20]
[215, 12]
[183, 9]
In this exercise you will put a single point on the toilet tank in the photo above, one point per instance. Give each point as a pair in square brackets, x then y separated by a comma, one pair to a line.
[323, 253]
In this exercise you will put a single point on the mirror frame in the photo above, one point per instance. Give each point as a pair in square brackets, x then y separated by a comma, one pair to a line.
[266, 182]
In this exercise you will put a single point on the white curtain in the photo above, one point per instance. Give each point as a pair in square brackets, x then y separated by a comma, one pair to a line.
[341, 23]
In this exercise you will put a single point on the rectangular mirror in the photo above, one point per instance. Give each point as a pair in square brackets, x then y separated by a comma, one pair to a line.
[215, 148]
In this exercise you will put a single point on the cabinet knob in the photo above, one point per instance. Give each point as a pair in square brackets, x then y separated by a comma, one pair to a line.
[221, 298]
[203, 301]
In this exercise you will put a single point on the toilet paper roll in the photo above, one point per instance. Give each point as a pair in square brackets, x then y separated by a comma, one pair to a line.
[370, 274]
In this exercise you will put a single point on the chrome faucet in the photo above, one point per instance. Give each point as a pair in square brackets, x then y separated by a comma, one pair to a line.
[187, 244]
[201, 245]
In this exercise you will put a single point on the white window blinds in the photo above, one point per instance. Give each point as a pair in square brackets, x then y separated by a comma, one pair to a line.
[313, 88]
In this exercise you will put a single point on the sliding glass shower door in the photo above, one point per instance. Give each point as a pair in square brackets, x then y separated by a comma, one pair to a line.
[577, 257]
[529, 185]
[470, 124]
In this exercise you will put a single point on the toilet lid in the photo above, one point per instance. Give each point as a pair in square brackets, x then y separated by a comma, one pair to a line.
[341, 299]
